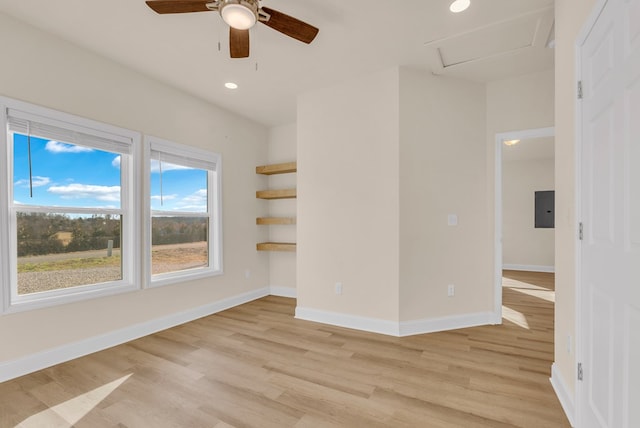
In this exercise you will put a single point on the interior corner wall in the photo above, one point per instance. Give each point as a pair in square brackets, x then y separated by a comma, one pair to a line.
[571, 16]
[443, 172]
[45, 70]
[524, 245]
[348, 197]
[282, 265]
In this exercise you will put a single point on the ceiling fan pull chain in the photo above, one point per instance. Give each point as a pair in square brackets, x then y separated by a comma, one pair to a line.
[160, 168]
[30, 164]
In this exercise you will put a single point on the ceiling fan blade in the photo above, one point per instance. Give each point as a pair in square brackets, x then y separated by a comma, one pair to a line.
[238, 43]
[178, 6]
[290, 26]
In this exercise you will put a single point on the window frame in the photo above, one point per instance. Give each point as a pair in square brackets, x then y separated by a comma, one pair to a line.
[214, 211]
[10, 301]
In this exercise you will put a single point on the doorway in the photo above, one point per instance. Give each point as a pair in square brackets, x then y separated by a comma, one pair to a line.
[524, 143]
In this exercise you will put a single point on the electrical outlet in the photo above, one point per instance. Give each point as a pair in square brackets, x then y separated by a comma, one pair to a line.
[451, 290]
[338, 288]
[247, 273]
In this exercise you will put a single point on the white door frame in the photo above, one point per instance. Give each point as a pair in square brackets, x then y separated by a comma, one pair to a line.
[500, 139]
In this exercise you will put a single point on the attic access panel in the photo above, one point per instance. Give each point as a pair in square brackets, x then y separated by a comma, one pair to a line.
[545, 209]
[489, 42]
[497, 44]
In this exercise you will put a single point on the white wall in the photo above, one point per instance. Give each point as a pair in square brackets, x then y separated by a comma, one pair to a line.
[442, 172]
[282, 265]
[348, 202]
[382, 160]
[519, 103]
[47, 71]
[524, 246]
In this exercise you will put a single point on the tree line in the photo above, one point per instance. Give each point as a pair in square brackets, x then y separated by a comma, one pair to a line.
[47, 233]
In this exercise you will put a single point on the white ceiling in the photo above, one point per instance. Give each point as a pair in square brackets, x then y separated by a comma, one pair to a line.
[493, 39]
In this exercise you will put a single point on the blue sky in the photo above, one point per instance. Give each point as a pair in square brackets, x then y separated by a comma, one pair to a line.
[70, 175]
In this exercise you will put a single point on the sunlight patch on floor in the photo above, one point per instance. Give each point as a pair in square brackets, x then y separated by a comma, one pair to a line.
[529, 289]
[547, 295]
[68, 413]
[514, 283]
[515, 317]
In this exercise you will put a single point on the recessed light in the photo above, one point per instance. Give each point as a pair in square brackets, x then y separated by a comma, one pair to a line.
[231, 85]
[459, 5]
[511, 142]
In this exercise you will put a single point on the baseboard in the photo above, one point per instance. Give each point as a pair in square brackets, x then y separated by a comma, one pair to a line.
[530, 268]
[355, 322]
[392, 328]
[276, 290]
[454, 322]
[31, 363]
[565, 397]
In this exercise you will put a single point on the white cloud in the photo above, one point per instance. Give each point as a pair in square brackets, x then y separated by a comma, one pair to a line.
[58, 147]
[195, 198]
[116, 162]
[36, 181]
[164, 197]
[91, 191]
[197, 201]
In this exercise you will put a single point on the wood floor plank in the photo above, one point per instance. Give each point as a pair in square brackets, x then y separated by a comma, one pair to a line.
[257, 366]
[430, 414]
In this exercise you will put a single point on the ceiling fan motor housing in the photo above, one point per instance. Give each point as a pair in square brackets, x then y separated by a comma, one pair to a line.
[239, 14]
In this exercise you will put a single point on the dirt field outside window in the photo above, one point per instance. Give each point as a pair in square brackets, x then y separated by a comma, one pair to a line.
[63, 270]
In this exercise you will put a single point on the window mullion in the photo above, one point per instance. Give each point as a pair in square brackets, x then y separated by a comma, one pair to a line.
[162, 213]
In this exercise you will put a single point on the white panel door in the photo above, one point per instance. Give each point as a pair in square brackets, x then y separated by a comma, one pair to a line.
[609, 395]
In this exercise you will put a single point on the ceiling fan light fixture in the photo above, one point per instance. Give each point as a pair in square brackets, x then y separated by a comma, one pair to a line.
[239, 14]
[459, 6]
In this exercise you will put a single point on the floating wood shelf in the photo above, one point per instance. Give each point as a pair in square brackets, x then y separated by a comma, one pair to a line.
[280, 168]
[276, 194]
[276, 246]
[276, 220]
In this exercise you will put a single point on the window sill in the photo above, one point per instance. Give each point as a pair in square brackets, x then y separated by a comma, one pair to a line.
[83, 293]
[182, 276]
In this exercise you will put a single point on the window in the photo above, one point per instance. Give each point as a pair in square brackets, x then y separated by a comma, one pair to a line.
[71, 224]
[69, 205]
[184, 231]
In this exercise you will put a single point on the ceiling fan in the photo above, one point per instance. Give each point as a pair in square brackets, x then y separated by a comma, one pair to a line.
[240, 15]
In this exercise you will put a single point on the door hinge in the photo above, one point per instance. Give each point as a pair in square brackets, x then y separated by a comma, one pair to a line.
[580, 231]
[580, 374]
[580, 93]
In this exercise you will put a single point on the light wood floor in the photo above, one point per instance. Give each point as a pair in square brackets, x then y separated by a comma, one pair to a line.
[257, 366]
